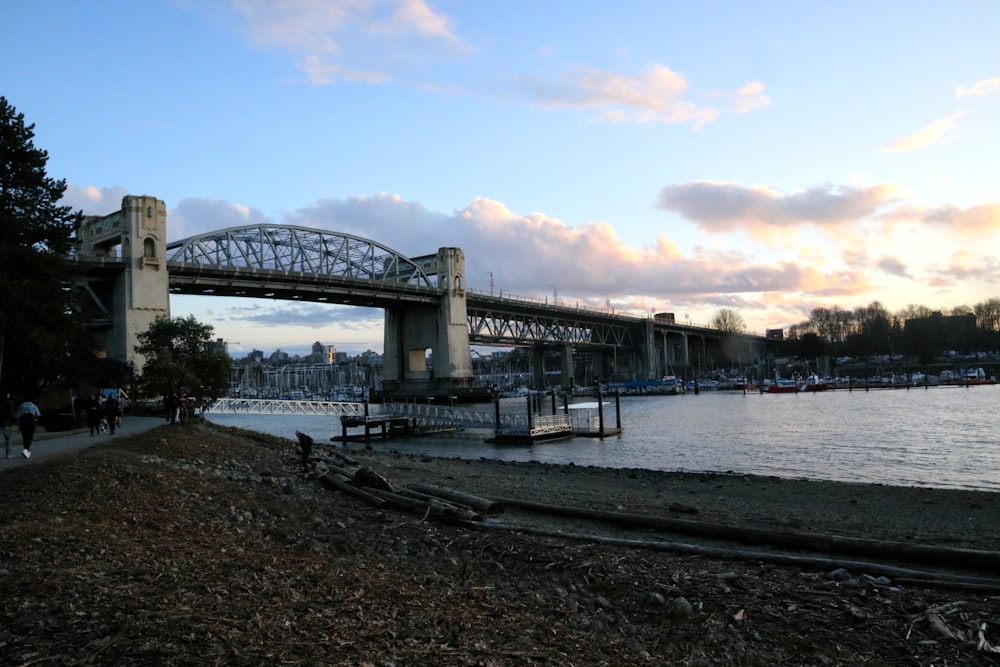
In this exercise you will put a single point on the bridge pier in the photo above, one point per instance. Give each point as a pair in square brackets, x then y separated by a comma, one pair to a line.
[124, 275]
[411, 329]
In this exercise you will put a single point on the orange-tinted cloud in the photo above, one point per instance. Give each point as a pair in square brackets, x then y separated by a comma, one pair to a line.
[980, 218]
[749, 97]
[932, 134]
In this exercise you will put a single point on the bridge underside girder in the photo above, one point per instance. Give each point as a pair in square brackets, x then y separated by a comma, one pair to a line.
[508, 327]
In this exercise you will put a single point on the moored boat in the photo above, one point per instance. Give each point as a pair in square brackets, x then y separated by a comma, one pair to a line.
[782, 386]
[814, 383]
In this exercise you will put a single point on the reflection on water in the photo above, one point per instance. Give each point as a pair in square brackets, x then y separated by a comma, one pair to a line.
[945, 436]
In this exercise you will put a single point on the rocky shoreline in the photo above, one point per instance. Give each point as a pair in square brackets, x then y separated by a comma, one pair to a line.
[195, 544]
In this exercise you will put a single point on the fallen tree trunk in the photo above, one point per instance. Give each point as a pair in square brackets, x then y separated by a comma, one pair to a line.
[423, 497]
[346, 472]
[915, 577]
[484, 505]
[986, 561]
[431, 507]
[342, 483]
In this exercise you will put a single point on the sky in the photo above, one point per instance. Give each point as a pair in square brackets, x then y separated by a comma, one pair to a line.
[643, 156]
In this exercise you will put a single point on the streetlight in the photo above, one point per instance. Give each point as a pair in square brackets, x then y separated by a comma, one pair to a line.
[490, 274]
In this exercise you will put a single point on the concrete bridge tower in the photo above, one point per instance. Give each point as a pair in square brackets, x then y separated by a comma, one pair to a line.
[413, 329]
[125, 274]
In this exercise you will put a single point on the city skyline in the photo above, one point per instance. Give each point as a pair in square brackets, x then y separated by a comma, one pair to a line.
[644, 157]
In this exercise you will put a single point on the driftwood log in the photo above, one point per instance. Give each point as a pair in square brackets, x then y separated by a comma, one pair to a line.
[899, 574]
[484, 505]
[433, 507]
[344, 484]
[984, 561]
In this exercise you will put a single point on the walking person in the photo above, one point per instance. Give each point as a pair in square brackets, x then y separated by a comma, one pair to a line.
[6, 420]
[92, 407]
[170, 402]
[27, 417]
[112, 412]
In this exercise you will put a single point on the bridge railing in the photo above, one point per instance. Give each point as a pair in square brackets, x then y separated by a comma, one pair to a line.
[541, 425]
[264, 406]
[444, 416]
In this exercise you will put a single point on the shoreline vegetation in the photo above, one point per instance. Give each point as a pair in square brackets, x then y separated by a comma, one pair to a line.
[195, 544]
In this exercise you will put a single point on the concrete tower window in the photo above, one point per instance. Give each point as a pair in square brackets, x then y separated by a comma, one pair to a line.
[149, 248]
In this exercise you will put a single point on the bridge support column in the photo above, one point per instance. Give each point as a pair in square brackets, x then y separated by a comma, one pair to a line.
[646, 362]
[413, 329]
[567, 369]
[125, 276]
[538, 368]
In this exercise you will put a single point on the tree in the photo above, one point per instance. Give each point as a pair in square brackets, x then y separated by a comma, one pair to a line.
[728, 320]
[181, 356]
[37, 327]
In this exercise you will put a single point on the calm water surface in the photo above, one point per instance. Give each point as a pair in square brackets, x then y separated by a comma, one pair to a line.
[939, 437]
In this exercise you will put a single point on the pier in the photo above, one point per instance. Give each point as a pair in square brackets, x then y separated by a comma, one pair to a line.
[543, 420]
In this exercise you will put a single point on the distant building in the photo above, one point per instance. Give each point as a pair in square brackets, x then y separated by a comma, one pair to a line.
[323, 354]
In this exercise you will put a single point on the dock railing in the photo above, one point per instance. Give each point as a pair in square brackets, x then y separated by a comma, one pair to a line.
[265, 406]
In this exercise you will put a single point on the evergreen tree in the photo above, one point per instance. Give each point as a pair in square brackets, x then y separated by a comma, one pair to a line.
[181, 356]
[36, 273]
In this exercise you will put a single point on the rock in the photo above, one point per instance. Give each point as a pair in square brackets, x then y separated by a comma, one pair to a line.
[655, 599]
[679, 607]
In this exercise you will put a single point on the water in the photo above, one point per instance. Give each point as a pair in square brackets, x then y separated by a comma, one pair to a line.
[941, 437]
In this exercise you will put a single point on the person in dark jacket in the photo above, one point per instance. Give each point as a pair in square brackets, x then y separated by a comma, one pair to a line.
[92, 408]
[27, 417]
[112, 412]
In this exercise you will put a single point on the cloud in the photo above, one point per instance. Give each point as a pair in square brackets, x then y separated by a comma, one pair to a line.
[93, 200]
[194, 216]
[929, 135]
[307, 315]
[984, 87]
[749, 97]
[322, 73]
[966, 266]
[332, 37]
[723, 207]
[893, 266]
[974, 219]
[530, 255]
[658, 95]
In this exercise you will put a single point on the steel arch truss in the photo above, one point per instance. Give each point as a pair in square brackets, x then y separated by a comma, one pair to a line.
[513, 328]
[292, 248]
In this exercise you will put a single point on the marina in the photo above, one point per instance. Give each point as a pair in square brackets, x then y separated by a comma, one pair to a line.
[940, 437]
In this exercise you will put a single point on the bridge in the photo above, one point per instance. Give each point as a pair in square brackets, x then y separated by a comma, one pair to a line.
[128, 272]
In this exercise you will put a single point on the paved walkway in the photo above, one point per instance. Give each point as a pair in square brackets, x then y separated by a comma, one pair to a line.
[48, 445]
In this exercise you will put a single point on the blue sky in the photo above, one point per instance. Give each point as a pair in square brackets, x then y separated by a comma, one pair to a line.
[768, 157]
